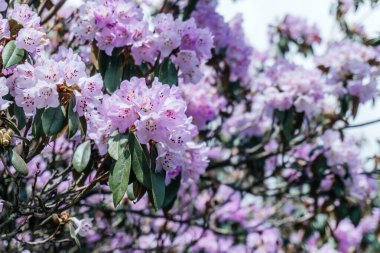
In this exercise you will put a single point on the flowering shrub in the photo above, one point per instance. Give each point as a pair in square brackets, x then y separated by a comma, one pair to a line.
[126, 127]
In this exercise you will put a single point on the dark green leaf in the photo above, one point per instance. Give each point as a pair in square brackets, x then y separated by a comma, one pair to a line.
[17, 162]
[138, 190]
[140, 164]
[355, 214]
[320, 222]
[189, 9]
[113, 74]
[130, 70]
[130, 192]
[117, 144]
[171, 191]
[103, 60]
[37, 129]
[168, 73]
[53, 120]
[81, 156]
[11, 55]
[73, 118]
[20, 115]
[319, 166]
[288, 126]
[119, 177]
[158, 181]
[83, 126]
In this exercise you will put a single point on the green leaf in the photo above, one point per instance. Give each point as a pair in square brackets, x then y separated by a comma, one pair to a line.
[136, 191]
[189, 9]
[83, 126]
[17, 162]
[130, 192]
[20, 115]
[158, 181]
[37, 129]
[355, 214]
[11, 55]
[53, 120]
[171, 192]
[168, 73]
[81, 156]
[130, 70]
[73, 118]
[113, 74]
[288, 127]
[103, 60]
[119, 177]
[140, 164]
[117, 144]
[72, 234]
[320, 221]
[319, 166]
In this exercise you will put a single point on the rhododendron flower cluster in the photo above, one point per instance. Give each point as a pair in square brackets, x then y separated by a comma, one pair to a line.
[297, 29]
[29, 37]
[37, 86]
[229, 38]
[156, 114]
[352, 68]
[285, 85]
[120, 23]
[203, 102]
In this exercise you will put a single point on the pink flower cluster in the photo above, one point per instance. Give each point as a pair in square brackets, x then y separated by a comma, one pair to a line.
[194, 44]
[116, 24]
[345, 153]
[35, 86]
[157, 114]
[248, 123]
[203, 102]
[112, 23]
[296, 29]
[352, 68]
[30, 37]
[228, 37]
[285, 85]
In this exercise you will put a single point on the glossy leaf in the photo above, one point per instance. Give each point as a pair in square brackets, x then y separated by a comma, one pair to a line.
[11, 55]
[20, 115]
[140, 164]
[171, 191]
[117, 144]
[168, 73]
[119, 177]
[81, 156]
[113, 74]
[158, 181]
[17, 162]
[73, 118]
[37, 129]
[53, 120]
